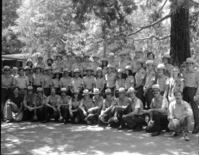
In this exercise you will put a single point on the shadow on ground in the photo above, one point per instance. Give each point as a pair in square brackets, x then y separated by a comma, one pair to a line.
[58, 139]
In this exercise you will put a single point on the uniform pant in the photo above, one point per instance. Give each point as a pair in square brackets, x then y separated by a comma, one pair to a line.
[160, 122]
[11, 109]
[28, 115]
[47, 91]
[35, 88]
[140, 94]
[188, 95]
[65, 112]
[134, 121]
[4, 96]
[93, 115]
[49, 112]
[149, 97]
[120, 112]
[82, 117]
[106, 117]
[76, 118]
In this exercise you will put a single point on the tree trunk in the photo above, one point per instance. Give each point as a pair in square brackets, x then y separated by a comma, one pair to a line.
[180, 36]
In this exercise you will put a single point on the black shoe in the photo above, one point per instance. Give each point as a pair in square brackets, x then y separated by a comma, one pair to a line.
[9, 121]
[156, 133]
[121, 128]
[137, 129]
[65, 121]
[45, 121]
[195, 131]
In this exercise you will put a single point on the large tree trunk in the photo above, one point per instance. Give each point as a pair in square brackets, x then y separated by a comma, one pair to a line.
[180, 36]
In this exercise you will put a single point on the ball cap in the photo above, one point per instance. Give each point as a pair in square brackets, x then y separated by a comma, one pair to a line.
[110, 66]
[131, 90]
[166, 56]
[40, 56]
[30, 88]
[149, 62]
[156, 86]
[161, 66]
[119, 70]
[111, 54]
[65, 70]
[6, 68]
[89, 69]
[108, 91]
[39, 89]
[27, 68]
[190, 60]
[96, 91]
[121, 90]
[128, 67]
[99, 69]
[63, 90]
[86, 92]
[15, 68]
[76, 70]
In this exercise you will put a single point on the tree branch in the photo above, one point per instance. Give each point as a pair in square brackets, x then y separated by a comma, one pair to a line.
[196, 3]
[151, 25]
[153, 36]
[162, 6]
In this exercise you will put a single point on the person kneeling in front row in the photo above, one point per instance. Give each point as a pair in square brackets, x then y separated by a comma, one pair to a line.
[180, 114]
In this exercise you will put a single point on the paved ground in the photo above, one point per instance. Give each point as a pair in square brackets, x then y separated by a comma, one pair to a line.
[58, 139]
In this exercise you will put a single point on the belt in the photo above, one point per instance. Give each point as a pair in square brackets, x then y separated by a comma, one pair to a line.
[191, 87]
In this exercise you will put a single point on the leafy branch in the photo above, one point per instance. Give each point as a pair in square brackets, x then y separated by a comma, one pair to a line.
[153, 36]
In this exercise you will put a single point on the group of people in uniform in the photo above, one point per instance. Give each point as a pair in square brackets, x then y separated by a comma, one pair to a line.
[125, 93]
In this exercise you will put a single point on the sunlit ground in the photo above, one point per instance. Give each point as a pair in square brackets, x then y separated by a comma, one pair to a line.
[58, 139]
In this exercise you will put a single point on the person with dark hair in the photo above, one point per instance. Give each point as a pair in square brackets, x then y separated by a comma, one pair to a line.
[77, 65]
[85, 104]
[166, 59]
[55, 82]
[99, 80]
[139, 80]
[150, 56]
[14, 105]
[29, 63]
[129, 81]
[179, 117]
[49, 62]
[40, 62]
[74, 107]
[59, 63]
[108, 103]
[135, 118]
[149, 81]
[191, 91]
[47, 81]
[110, 79]
[104, 66]
[15, 71]
[37, 78]
[93, 113]
[50, 107]
[89, 80]
[21, 81]
[63, 106]
[120, 82]
[158, 113]
[65, 81]
[28, 73]
[76, 82]
[123, 106]
[6, 86]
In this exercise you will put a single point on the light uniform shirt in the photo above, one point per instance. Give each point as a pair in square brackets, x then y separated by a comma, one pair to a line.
[110, 80]
[30, 78]
[68, 64]
[139, 77]
[99, 83]
[123, 102]
[74, 104]
[162, 81]
[47, 81]
[21, 81]
[177, 111]
[37, 79]
[87, 104]
[65, 82]
[89, 82]
[150, 79]
[55, 83]
[123, 64]
[120, 83]
[159, 103]
[29, 100]
[137, 104]
[39, 100]
[85, 65]
[129, 82]
[98, 102]
[76, 83]
[6, 81]
[64, 100]
[77, 66]
[53, 100]
[191, 79]
[95, 65]
[58, 65]
[107, 103]
[104, 71]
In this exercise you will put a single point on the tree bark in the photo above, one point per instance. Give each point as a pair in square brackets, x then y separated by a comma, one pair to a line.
[180, 36]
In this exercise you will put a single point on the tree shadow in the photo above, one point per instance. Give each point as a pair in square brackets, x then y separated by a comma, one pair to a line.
[55, 138]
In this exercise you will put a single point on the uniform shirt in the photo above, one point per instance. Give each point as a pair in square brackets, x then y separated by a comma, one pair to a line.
[21, 81]
[162, 81]
[133, 65]
[168, 69]
[137, 104]
[123, 64]
[107, 103]
[129, 82]
[77, 65]
[123, 102]
[47, 79]
[120, 83]
[104, 71]
[87, 104]
[37, 79]
[42, 64]
[6, 82]
[74, 104]
[110, 80]
[177, 111]
[39, 100]
[53, 100]
[64, 100]
[139, 77]
[68, 64]
[89, 82]
[95, 65]
[191, 79]
[16, 100]
[55, 83]
[58, 65]
[65, 82]
[150, 79]
[99, 83]
[87, 64]
[114, 63]
[30, 78]
[76, 83]
[29, 100]
[159, 103]
[98, 102]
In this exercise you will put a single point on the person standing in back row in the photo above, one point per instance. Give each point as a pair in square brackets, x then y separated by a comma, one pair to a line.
[191, 91]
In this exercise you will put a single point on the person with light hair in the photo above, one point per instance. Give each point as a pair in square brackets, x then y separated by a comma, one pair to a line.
[179, 117]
